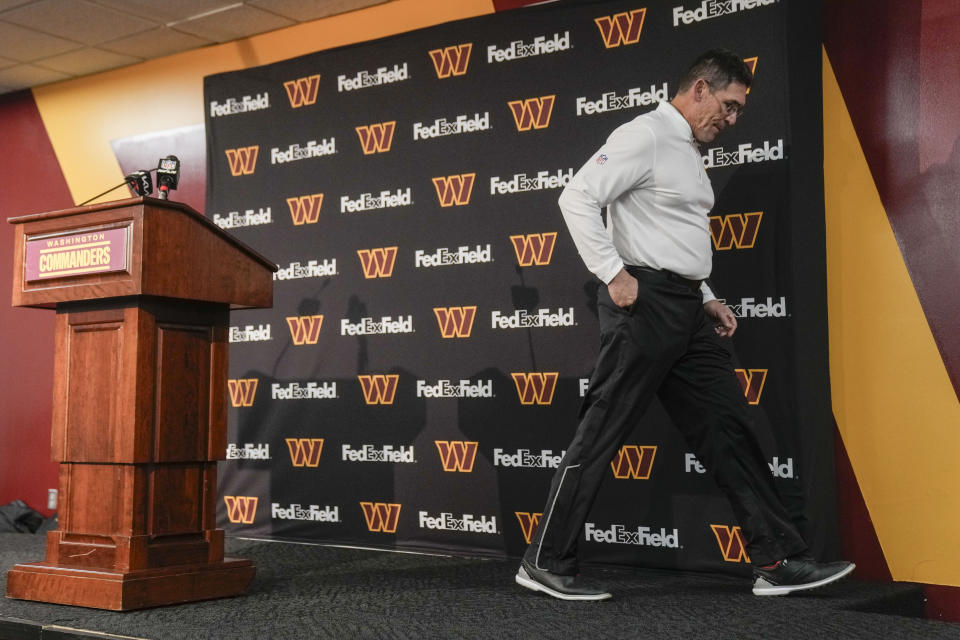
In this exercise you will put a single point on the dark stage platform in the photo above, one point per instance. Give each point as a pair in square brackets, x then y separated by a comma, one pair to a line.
[306, 591]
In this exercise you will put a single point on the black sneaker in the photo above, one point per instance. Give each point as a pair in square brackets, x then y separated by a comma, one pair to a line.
[797, 574]
[563, 587]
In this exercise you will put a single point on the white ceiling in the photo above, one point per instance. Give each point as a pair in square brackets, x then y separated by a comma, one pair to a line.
[43, 41]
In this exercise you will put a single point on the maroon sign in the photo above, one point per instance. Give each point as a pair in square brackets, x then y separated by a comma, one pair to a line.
[82, 253]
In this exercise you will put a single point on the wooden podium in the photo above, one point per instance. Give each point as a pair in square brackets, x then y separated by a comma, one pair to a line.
[142, 290]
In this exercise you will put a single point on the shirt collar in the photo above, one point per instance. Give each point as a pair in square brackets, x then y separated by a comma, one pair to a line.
[676, 121]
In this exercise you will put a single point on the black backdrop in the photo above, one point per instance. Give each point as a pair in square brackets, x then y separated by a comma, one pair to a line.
[433, 327]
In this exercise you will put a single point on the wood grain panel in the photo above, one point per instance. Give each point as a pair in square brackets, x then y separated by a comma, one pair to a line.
[183, 393]
[93, 370]
[97, 493]
[176, 501]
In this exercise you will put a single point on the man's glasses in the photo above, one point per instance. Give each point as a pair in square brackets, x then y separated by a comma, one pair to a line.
[730, 107]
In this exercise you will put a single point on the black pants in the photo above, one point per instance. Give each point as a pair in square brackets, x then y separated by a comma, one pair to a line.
[663, 345]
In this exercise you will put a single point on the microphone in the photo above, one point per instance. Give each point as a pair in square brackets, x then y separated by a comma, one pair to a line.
[140, 182]
[168, 175]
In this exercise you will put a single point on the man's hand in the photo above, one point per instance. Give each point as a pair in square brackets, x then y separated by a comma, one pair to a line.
[725, 323]
[623, 289]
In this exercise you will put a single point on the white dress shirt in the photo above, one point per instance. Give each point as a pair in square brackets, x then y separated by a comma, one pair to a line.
[650, 176]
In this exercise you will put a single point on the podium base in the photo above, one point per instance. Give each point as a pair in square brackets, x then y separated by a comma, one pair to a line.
[116, 591]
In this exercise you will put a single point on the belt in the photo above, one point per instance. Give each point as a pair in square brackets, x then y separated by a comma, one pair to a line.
[663, 274]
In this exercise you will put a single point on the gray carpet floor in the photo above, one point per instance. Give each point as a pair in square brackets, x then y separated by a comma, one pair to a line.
[306, 591]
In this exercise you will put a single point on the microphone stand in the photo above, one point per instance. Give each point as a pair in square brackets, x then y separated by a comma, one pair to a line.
[99, 195]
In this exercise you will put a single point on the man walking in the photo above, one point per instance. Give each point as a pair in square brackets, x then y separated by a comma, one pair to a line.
[659, 325]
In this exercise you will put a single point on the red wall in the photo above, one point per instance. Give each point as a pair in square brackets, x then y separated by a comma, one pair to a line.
[897, 65]
[31, 182]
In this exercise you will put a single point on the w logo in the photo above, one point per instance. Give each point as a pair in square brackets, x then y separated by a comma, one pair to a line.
[376, 138]
[528, 523]
[243, 160]
[455, 322]
[380, 516]
[305, 452]
[302, 90]
[456, 455]
[532, 113]
[752, 381]
[752, 64]
[735, 230]
[454, 190]
[242, 391]
[731, 543]
[534, 248]
[451, 61]
[305, 209]
[305, 329]
[621, 28]
[241, 509]
[633, 462]
[379, 389]
[377, 263]
[535, 388]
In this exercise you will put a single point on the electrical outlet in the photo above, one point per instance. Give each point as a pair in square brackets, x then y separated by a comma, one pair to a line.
[51, 498]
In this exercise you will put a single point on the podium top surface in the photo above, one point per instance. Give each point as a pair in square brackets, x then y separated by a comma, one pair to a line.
[134, 247]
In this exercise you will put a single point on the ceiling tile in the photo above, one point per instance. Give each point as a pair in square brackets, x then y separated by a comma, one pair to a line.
[155, 43]
[312, 9]
[239, 22]
[10, 4]
[27, 75]
[116, 32]
[77, 20]
[25, 45]
[168, 10]
[84, 61]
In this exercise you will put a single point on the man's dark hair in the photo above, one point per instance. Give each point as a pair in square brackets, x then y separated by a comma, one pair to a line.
[719, 67]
